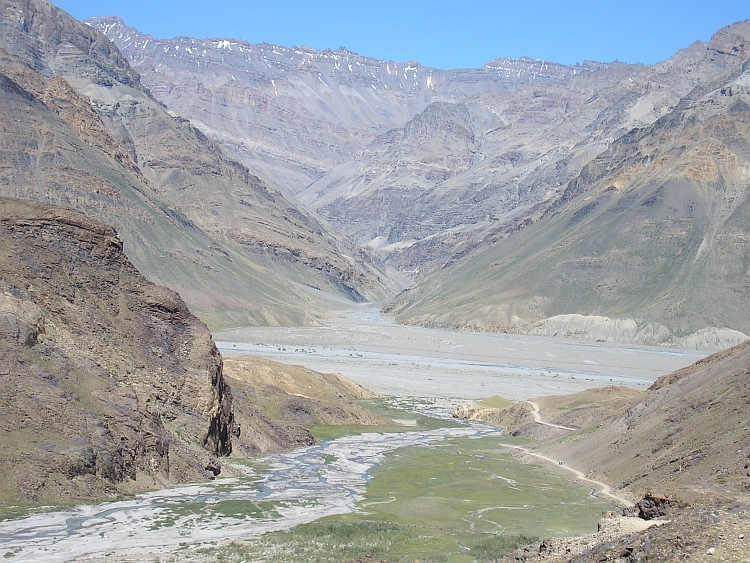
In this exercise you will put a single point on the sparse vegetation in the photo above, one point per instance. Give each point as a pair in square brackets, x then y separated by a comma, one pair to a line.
[384, 408]
[460, 501]
[496, 546]
[496, 402]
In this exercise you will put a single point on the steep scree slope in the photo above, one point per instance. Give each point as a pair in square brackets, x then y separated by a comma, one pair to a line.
[652, 233]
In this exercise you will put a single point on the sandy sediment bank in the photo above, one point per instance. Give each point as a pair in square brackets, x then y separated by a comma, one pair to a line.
[400, 360]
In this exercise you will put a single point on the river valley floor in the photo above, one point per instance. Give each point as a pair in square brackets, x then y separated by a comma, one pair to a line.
[424, 369]
[369, 348]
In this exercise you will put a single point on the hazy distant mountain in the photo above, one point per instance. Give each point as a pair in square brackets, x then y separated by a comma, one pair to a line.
[293, 114]
[481, 156]
[79, 129]
[653, 232]
[459, 176]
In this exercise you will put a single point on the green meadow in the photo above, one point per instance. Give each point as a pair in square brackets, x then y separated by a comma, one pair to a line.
[385, 408]
[458, 501]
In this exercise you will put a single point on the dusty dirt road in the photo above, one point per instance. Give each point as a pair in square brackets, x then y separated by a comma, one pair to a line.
[538, 418]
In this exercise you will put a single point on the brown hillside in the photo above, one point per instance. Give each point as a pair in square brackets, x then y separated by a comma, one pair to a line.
[587, 408]
[689, 431]
[109, 385]
[292, 395]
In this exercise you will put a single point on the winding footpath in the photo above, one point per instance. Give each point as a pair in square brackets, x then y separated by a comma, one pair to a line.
[538, 418]
[602, 488]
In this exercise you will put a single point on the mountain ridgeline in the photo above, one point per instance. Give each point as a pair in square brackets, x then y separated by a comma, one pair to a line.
[632, 176]
[81, 130]
[294, 114]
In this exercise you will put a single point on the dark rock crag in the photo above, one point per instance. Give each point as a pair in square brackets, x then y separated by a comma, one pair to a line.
[108, 384]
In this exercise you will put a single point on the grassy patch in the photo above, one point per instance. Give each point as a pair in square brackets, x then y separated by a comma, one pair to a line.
[337, 541]
[384, 408]
[472, 485]
[459, 501]
[578, 403]
[495, 546]
[194, 514]
[496, 402]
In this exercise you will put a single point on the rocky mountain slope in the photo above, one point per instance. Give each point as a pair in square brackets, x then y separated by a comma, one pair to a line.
[80, 129]
[649, 240]
[688, 431]
[108, 383]
[441, 194]
[681, 450]
[460, 176]
[293, 114]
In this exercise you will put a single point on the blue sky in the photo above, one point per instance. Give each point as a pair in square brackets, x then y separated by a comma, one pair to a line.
[448, 34]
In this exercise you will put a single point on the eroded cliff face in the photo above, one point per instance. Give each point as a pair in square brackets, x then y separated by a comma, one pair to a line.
[108, 384]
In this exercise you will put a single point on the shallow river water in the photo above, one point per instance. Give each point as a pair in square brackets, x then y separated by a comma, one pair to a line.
[281, 491]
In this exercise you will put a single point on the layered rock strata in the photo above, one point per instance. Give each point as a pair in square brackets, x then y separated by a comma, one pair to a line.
[108, 383]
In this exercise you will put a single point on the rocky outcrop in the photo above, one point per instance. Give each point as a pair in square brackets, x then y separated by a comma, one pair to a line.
[108, 384]
[274, 400]
[20, 321]
[511, 418]
[653, 505]
[703, 530]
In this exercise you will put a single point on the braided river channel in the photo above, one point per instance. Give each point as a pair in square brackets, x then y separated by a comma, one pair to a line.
[434, 369]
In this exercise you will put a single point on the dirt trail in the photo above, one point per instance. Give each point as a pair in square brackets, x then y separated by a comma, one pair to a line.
[602, 488]
[538, 418]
